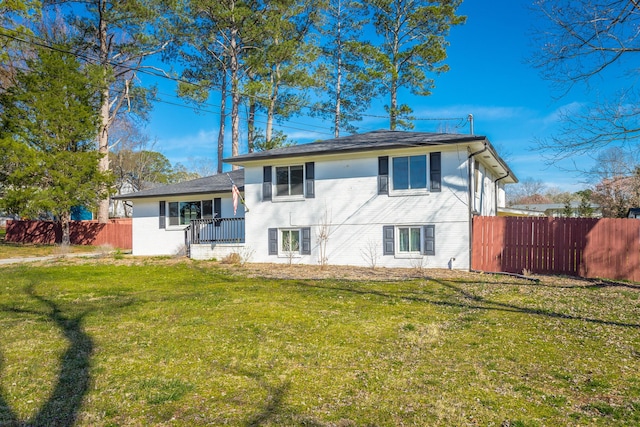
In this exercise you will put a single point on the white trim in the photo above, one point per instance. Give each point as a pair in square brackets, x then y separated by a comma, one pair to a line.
[274, 184]
[289, 254]
[409, 191]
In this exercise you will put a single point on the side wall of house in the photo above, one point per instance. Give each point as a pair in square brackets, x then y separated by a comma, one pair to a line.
[149, 239]
[349, 209]
[484, 190]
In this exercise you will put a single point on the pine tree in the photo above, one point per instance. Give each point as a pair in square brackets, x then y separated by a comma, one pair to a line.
[413, 33]
[47, 134]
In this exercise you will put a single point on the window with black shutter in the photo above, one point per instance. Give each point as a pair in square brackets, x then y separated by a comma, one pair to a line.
[266, 183]
[388, 244]
[383, 175]
[429, 236]
[273, 241]
[310, 190]
[435, 171]
[163, 214]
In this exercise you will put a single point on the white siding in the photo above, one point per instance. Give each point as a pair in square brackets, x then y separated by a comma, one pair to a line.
[149, 239]
[346, 192]
[484, 191]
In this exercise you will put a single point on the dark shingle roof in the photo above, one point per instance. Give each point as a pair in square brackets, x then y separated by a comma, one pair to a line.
[376, 140]
[210, 184]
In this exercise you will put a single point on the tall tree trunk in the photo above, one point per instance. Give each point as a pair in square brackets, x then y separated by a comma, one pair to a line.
[223, 119]
[393, 109]
[338, 96]
[251, 125]
[65, 218]
[271, 110]
[235, 95]
[103, 130]
[339, 73]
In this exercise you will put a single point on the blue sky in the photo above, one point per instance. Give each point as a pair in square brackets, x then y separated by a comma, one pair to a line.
[489, 78]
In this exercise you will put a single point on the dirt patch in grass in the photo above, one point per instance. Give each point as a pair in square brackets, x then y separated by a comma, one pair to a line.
[315, 272]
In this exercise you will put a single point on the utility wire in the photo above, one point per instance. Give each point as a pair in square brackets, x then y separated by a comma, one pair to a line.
[160, 74]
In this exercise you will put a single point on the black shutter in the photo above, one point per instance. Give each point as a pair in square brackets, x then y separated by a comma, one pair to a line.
[429, 232]
[435, 171]
[163, 214]
[310, 190]
[273, 241]
[388, 245]
[305, 247]
[217, 210]
[383, 175]
[266, 183]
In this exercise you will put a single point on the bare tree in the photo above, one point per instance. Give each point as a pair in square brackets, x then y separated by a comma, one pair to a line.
[580, 43]
[617, 176]
[527, 191]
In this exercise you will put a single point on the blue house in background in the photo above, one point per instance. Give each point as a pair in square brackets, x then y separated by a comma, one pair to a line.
[80, 213]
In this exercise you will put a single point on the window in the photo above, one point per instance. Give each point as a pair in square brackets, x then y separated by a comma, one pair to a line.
[287, 241]
[290, 241]
[181, 213]
[409, 239]
[405, 240]
[293, 182]
[409, 173]
[289, 181]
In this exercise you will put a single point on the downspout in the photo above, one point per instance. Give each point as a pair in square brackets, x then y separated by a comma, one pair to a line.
[470, 177]
[495, 188]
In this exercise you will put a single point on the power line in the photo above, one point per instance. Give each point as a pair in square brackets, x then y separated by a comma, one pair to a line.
[150, 72]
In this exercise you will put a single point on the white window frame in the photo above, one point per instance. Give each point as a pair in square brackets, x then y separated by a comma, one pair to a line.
[391, 244]
[282, 252]
[288, 196]
[408, 191]
[410, 228]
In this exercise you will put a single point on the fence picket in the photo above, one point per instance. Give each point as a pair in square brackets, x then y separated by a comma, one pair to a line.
[116, 233]
[587, 247]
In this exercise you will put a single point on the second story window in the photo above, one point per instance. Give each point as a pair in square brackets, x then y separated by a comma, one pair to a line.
[289, 181]
[410, 172]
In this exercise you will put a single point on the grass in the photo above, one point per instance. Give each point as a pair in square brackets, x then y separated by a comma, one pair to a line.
[159, 343]
[19, 250]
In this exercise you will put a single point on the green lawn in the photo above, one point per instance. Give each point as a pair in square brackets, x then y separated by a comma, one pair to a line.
[159, 343]
[20, 250]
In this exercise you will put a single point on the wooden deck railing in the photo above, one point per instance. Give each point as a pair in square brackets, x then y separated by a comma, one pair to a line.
[215, 230]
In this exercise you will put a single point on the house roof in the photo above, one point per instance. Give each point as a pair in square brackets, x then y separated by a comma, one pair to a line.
[376, 141]
[633, 212]
[543, 207]
[219, 183]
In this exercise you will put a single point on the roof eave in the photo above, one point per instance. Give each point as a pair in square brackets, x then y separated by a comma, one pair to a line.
[131, 196]
[260, 157]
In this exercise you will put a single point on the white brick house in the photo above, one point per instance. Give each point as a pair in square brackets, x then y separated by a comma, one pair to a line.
[396, 199]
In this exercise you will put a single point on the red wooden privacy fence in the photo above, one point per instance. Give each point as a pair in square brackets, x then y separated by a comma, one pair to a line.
[586, 247]
[116, 233]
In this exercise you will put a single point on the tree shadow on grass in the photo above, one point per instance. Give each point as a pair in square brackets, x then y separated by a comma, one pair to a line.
[470, 301]
[273, 404]
[63, 404]
[274, 401]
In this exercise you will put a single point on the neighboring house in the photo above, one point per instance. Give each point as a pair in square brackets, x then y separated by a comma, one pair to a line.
[384, 198]
[120, 207]
[551, 210]
[634, 213]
